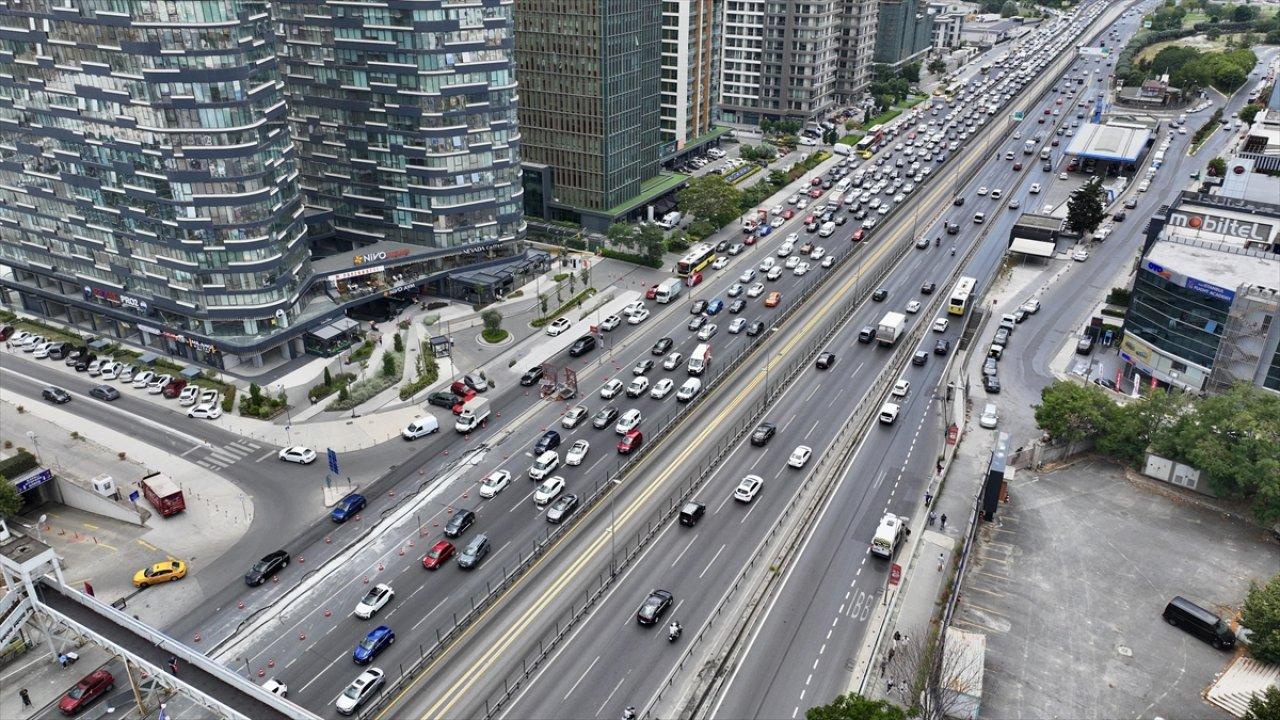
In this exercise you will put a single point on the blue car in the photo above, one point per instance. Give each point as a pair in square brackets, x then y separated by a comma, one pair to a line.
[347, 507]
[378, 639]
[714, 307]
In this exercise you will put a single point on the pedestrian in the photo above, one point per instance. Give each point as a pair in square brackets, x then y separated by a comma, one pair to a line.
[889, 686]
[173, 665]
[942, 558]
[897, 637]
[62, 659]
[933, 517]
[939, 466]
[26, 699]
[928, 498]
[944, 521]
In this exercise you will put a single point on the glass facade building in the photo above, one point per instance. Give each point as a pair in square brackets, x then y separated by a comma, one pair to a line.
[589, 74]
[404, 113]
[904, 31]
[148, 186]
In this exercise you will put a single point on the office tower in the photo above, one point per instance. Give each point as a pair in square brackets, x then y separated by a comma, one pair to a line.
[404, 113]
[589, 105]
[148, 186]
[904, 31]
[690, 70]
[856, 46]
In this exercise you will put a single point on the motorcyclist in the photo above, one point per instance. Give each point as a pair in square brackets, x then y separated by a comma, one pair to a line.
[629, 713]
[937, 241]
[953, 250]
[675, 629]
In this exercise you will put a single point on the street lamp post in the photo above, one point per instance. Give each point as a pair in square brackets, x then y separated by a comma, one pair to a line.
[35, 441]
[288, 415]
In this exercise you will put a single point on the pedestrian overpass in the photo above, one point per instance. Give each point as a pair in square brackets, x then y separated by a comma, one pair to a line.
[36, 597]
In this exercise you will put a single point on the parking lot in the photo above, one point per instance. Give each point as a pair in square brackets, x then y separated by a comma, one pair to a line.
[1069, 582]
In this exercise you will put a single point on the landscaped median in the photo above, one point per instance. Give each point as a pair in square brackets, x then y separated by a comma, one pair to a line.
[572, 303]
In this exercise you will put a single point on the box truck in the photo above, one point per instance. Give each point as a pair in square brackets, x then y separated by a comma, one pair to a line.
[163, 494]
[667, 291]
[474, 412]
[891, 328]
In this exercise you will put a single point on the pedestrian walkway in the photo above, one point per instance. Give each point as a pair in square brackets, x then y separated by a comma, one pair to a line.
[219, 457]
[37, 671]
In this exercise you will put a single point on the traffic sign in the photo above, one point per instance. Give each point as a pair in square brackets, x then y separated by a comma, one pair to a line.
[333, 462]
[1018, 116]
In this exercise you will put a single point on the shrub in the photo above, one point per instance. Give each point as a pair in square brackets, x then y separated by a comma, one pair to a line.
[398, 342]
[428, 373]
[364, 390]
[18, 464]
[631, 258]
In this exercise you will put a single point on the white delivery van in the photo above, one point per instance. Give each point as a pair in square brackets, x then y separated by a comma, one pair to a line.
[474, 412]
[667, 291]
[891, 532]
[827, 229]
[700, 359]
[841, 149]
[420, 427]
[669, 220]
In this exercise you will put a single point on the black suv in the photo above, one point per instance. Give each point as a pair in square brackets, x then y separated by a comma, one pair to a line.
[266, 567]
[654, 607]
[582, 346]
[826, 360]
[55, 395]
[459, 522]
[764, 432]
[880, 294]
[550, 440]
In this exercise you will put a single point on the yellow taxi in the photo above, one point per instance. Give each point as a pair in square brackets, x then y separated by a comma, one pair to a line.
[161, 572]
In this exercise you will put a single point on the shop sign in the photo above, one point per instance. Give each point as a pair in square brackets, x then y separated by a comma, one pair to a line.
[36, 479]
[481, 247]
[356, 273]
[1218, 225]
[100, 294]
[1213, 291]
[148, 329]
[373, 257]
[134, 303]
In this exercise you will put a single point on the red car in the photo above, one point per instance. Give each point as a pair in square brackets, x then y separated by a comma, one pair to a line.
[462, 400]
[1017, 166]
[90, 688]
[859, 234]
[750, 239]
[631, 441]
[1055, 142]
[816, 181]
[437, 555]
[788, 214]
[1047, 111]
[651, 293]
[815, 193]
[693, 279]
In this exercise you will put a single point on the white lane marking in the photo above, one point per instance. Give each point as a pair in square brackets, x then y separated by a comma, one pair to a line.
[713, 562]
[424, 617]
[321, 673]
[611, 694]
[190, 450]
[682, 552]
[265, 455]
[815, 427]
[580, 678]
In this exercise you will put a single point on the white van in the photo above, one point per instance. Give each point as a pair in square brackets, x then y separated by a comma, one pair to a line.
[827, 228]
[990, 416]
[421, 427]
[689, 390]
[546, 463]
[891, 532]
[629, 421]
[699, 360]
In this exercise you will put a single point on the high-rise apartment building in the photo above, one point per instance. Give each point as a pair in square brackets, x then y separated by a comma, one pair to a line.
[404, 113]
[904, 31]
[690, 70]
[148, 187]
[589, 104]
[794, 59]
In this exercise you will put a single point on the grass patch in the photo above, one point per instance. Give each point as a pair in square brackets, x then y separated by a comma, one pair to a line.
[572, 303]
[364, 390]
[494, 336]
[631, 258]
[428, 373]
[851, 138]
[361, 353]
[322, 390]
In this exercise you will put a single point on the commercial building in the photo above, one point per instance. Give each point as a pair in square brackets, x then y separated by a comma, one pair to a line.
[590, 107]
[947, 29]
[904, 31]
[1119, 143]
[148, 186]
[690, 72]
[856, 43]
[985, 31]
[779, 59]
[1206, 298]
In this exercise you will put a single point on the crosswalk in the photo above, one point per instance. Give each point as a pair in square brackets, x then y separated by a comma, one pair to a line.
[221, 456]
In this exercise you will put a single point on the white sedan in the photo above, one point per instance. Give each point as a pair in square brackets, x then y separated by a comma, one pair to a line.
[206, 411]
[720, 263]
[801, 269]
[940, 325]
[1080, 255]
[901, 388]
[374, 600]
[610, 322]
[737, 325]
[748, 488]
[756, 290]
[577, 453]
[662, 388]
[800, 456]
[299, 454]
[548, 490]
[611, 389]
[558, 326]
[494, 483]
[638, 316]
[913, 307]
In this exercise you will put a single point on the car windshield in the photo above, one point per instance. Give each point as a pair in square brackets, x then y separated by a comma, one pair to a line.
[371, 598]
[352, 692]
[150, 572]
[77, 692]
[261, 565]
[368, 643]
[435, 553]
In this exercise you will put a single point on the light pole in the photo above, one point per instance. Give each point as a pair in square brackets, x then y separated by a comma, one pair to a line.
[288, 415]
[35, 441]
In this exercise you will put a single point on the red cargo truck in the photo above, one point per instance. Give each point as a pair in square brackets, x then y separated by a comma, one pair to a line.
[163, 494]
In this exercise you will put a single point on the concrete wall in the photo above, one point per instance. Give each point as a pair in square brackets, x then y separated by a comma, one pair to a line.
[87, 500]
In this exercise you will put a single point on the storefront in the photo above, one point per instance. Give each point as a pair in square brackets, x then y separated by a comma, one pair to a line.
[331, 338]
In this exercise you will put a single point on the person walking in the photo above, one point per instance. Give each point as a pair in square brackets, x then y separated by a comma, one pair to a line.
[928, 498]
[173, 665]
[26, 699]
[942, 559]
[62, 659]
[933, 517]
[944, 521]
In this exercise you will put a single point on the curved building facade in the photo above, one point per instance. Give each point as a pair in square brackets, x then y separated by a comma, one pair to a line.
[404, 112]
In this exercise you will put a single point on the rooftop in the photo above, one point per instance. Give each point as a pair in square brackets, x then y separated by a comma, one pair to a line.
[1109, 141]
[1220, 265]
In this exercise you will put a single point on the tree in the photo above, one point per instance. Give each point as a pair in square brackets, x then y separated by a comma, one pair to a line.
[585, 275]
[931, 688]
[1072, 412]
[328, 377]
[1085, 209]
[830, 137]
[388, 364]
[1265, 706]
[397, 342]
[910, 72]
[1009, 9]
[1217, 167]
[10, 499]
[619, 234]
[1249, 112]
[1130, 429]
[1243, 13]
[855, 707]
[492, 320]
[712, 198]
[1261, 614]
[649, 242]
[542, 302]
[937, 66]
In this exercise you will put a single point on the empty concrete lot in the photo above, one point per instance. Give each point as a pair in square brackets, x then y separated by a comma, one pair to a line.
[1069, 582]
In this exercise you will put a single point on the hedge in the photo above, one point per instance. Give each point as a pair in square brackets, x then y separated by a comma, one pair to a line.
[572, 303]
[17, 465]
[365, 389]
[655, 263]
[428, 373]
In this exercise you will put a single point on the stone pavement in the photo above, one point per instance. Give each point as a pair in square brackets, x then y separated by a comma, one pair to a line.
[107, 552]
[45, 680]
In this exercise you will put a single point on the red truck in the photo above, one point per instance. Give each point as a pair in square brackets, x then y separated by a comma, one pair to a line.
[163, 494]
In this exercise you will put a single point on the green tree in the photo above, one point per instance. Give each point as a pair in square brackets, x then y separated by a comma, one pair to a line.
[1072, 412]
[1132, 428]
[1172, 57]
[777, 177]
[1243, 13]
[619, 234]
[855, 707]
[830, 137]
[1217, 167]
[1264, 706]
[388, 364]
[649, 242]
[1261, 614]
[585, 275]
[342, 393]
[328, 377]
[1249, 112]
[937, 66]
[712, 198]
[10, 499]
[492, 320]
[1009, 9]
[1085, 208]
[910, 72]
[542, 302]
[397, 342]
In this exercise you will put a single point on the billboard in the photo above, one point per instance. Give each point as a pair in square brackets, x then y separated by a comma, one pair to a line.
[1204, 288]
[1235, 226]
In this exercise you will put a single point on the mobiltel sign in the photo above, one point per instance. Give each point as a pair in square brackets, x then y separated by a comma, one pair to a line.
[1247, 230]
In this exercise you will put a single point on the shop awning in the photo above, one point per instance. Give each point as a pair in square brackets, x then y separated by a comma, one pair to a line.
[148, 358]
[334, 329]
[1027, 246]
[190, 372]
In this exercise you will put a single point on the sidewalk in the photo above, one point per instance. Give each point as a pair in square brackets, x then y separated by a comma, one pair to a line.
[45, 680]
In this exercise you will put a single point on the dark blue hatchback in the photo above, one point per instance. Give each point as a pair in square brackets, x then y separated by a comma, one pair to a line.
[715, 306]
[378, 639]
[347, 507]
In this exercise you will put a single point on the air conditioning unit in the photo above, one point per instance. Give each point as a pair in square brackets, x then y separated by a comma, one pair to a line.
[104, 485]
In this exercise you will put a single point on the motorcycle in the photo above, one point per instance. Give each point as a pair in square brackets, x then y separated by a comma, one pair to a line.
[673, 632]
[629, 713]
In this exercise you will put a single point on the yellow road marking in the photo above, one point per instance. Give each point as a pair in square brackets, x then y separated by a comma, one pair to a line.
[147, 545]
